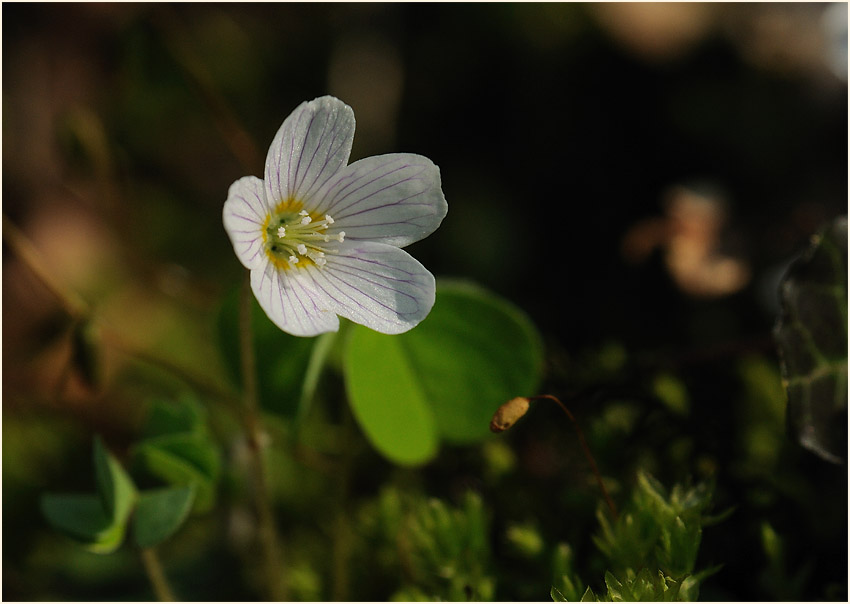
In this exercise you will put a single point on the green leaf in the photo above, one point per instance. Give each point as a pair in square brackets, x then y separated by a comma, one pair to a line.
[556, 595]
[172, 417]
[282, 360]
[474, 352]
[81, 517]
[183, 460]
[617, 592]
[672, 392]
[99, 521]
[114, 486]
[179, 449]
[812, 339]
[387, 398]
[565, 579]
[446, 377]
[160, 513]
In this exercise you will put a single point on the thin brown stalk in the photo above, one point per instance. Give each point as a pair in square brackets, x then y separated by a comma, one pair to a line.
[585, 448]
[268, 531]
[156, 575]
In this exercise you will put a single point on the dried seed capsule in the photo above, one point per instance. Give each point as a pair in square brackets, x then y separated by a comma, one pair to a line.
[508, 414]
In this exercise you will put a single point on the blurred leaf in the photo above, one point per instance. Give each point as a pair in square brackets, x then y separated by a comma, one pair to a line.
[98, 521]
[451, 549]
[160, 513]
[179, 449]
[672, 392]
[116, 490]
[760, 413]
[82, 518]
[566, 583]
[556, 595]
[443, 378]
[812, 338]
[172, 417]
[184, 460]
[525, 539]
[282, 360]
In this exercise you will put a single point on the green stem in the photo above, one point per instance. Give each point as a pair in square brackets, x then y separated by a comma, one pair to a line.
[267, 529]
[156, 575]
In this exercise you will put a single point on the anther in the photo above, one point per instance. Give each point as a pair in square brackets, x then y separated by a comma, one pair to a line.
[281, 232]
[302, 249]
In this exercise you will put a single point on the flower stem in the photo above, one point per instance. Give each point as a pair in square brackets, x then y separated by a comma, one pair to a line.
[585, 448]
[267, 529]
[153, 569]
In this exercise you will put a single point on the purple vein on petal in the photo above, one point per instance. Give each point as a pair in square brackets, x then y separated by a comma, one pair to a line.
[379, 282]
[340, 304]
[299, 173]
[294, 178]
[376, 192]
[326, 131]
[250, 207]
[337, 143]
[315, 185]
[340, 198]
[354, 302]
[340, 193]
[386, 205]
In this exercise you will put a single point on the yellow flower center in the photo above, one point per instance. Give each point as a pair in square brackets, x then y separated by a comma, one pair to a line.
[296, 238]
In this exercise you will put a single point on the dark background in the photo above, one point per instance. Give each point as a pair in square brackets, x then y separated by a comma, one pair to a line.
[562, 132]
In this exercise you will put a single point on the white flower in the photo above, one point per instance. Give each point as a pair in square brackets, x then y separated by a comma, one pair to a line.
[321, 238]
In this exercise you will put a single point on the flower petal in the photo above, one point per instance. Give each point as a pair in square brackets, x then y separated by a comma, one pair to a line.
[311, 146]
[244, 214]
[290, 302]
[377, 285]
[395, 199]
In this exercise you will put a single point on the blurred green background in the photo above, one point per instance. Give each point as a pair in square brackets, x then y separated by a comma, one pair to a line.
[636, 177]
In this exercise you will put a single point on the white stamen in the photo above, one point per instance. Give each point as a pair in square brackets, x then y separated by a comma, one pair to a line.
[341, 236]
[327, 238]
[281, 232]
[293, 260]
[303, 213]
[306, 220]
[328, 219]
[302, 249]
